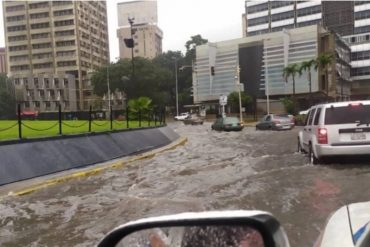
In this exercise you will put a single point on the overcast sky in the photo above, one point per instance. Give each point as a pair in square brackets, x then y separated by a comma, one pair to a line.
[215, 20]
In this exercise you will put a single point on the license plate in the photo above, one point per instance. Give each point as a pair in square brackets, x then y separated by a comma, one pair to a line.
[358, 136]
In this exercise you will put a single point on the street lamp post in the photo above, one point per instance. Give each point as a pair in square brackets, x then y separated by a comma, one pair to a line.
[131, 21]
[108, 85]
[177, 94]
[237, 83]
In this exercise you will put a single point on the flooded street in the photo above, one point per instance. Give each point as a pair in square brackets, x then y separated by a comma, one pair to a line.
[213, 170]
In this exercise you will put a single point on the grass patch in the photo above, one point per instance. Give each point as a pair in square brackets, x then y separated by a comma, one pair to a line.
[41, 128]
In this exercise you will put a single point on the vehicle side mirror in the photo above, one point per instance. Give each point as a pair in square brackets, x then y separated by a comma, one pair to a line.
[216, 229]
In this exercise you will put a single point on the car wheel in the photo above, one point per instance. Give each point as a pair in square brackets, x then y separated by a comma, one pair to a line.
[311, 156]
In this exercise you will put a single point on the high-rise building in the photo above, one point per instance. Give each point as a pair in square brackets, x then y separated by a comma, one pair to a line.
[51, 48]
[350, 19]
[3, 60]
[146, 34]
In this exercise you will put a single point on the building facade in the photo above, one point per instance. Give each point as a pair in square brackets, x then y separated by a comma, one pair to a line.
[50, 40]
[146, 33]
[350, 19]
[3, 67]
[258, 61]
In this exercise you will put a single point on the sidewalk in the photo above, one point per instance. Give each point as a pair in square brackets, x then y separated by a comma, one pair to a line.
[35, 184]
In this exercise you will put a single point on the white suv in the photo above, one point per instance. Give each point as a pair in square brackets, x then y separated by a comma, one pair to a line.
[334, 129]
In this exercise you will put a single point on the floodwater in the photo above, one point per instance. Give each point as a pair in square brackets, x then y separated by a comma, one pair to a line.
[213, 171]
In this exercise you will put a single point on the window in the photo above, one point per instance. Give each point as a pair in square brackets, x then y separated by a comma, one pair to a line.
[41, 46]
[257, 8]
[282, 16]
[63, 12]
[40, 25]
[14, 8]
[63, 23]
[362, 15]
[18, 48]
[308, 116]
[59, 3]
[323, 82]
[42, 55]
[40, 35]
[18, 58]
[258, 21]
[347, 114]
[66, 63]
[16, 18]
[42, 65]
[17, 38]
[278, 4]
[39, 15]
[309, 11]
[64, 33]
[317, 116]
[38, 5]
[65, 43]
[17, 28]
[66, 53]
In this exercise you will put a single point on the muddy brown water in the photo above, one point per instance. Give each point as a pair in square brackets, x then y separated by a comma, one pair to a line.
[213, 171]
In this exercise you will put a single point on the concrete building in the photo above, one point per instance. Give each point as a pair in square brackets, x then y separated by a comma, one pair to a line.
[360, 50]
[261, 59]
[3, 67]
[146, 34]
[350, 19]
[48, 40]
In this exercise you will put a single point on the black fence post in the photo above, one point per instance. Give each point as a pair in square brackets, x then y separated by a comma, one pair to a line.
[19, 122]
[127, 120]
[155, 118]
[139, 118]
[149, 116]
[60, 119]
[90, 118]
[111, 118]
[164, 116]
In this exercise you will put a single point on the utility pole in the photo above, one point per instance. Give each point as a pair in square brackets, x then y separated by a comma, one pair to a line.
[177, 93]
[237, 82]
[131, 21]
[108, 87]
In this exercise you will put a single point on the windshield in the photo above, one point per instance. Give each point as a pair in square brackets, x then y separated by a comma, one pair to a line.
[139, 108]
[347, 114]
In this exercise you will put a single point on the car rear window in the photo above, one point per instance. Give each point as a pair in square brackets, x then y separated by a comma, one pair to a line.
[231, 120]
[347, 114]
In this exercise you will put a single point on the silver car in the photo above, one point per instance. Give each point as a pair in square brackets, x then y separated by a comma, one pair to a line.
[275, 122]
[335, 129]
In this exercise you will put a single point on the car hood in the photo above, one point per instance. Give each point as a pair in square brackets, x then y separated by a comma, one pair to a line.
[346, 226]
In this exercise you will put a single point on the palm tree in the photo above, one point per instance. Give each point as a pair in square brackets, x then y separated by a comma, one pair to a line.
[324, 61]
[291, 70]
[306, 66]
[140, 106]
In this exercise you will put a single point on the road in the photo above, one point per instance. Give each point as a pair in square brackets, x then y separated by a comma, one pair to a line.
[214, 170]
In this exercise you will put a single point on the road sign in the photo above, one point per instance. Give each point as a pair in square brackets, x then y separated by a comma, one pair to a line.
[223, 99]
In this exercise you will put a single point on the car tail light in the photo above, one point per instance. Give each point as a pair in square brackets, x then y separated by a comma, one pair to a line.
[322, 136]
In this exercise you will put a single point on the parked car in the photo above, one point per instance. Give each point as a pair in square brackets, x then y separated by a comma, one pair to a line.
[193, 120]
[182, 116]
[336, 129]
[227, 124]
[275, 122]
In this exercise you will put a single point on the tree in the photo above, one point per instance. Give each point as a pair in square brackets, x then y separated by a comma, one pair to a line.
[233, 100]
[151, 80]
[307, 66]
[141, 105]
[192, 43]
[288, 105]
[324, 61]
[291, 71]
[7, 100]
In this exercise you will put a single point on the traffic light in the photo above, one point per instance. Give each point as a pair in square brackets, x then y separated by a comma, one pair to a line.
[212, 70]
[129, 43]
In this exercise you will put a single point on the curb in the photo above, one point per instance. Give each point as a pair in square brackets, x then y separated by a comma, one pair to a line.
[95, 171]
